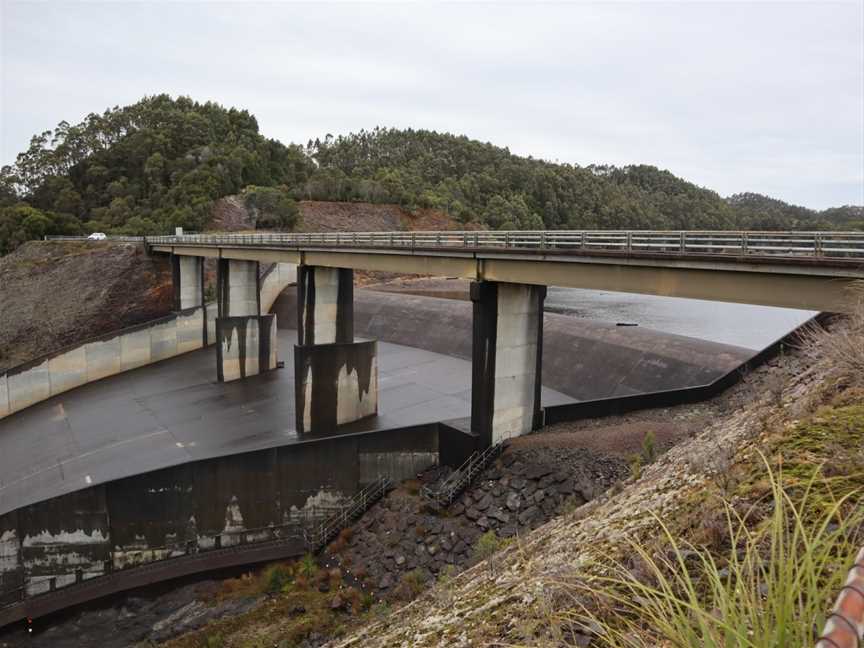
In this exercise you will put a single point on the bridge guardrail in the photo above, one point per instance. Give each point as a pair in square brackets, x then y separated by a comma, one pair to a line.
[735, 243]
[725, 243]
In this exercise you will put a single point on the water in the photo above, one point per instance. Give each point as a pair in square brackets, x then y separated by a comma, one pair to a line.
[754, 327]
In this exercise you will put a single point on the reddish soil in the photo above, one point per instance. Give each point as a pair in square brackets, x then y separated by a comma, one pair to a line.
[322, 216]
[230, 215]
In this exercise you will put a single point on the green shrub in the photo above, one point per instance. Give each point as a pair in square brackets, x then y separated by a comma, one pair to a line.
[272, 207]
[308, 566]
[276, 577]
[649, 451]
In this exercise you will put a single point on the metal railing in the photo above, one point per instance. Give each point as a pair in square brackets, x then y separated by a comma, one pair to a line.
[319, 536]
[313, 528]
[445, 493]
[726, 243]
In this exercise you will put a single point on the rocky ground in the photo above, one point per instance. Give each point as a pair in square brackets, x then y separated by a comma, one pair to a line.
[150, 616]
[55, 293]
[402, 540]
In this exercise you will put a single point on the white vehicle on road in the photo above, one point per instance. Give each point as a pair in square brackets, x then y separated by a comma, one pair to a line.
[97, 236]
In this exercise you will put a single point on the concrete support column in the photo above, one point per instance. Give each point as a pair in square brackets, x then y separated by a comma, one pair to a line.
[237, 290]
[188, 280]
[335, 378]
[246, 342]
[507, 355]
[325, 305]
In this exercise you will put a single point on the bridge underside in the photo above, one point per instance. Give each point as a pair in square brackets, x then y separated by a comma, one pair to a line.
[763, 282]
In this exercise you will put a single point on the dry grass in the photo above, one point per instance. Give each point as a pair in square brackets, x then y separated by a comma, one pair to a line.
[771, 588]
[841, 348]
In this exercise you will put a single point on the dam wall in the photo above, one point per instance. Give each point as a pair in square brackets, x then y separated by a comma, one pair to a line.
[584, 359]
[198, 509]
[175, 334]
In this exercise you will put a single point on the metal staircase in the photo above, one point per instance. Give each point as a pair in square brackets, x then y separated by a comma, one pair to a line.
[317, 537]
[447, 491]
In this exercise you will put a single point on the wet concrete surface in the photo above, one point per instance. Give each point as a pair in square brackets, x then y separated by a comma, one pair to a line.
[175, 411]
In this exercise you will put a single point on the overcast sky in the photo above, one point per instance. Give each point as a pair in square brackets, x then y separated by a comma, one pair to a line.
[764, 97]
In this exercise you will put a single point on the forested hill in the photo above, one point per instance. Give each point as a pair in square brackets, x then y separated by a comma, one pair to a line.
[162, 162]
[476, 181]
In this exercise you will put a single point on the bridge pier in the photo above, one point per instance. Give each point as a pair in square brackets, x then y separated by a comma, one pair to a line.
[506, 360]
[188, 281]
[246, 342]
[335, 378]
[325, 305]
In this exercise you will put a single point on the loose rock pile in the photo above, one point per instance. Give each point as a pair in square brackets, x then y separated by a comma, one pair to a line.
[401, 540]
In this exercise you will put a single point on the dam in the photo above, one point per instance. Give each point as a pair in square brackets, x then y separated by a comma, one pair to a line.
[173, 467]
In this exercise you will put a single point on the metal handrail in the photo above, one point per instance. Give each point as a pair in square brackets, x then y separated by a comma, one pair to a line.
[277, 534]
[823, 244]
[318, 537]
[446, 492]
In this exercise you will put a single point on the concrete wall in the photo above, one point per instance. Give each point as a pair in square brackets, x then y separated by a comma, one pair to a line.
[326, 305]
[131, 348]
[199, 506]
[245, 346]
[127, 349]
[335, 384]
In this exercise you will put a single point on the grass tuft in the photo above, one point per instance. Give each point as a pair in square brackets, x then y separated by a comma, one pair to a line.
[771, 587]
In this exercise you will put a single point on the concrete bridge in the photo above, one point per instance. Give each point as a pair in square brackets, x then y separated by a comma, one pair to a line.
[336, 377]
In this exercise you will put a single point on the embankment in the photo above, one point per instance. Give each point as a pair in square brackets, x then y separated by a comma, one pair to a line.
[57, 293]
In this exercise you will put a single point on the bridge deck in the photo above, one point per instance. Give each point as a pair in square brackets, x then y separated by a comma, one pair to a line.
[809, 271]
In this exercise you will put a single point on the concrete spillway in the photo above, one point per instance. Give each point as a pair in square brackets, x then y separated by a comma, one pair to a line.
[163, 461]
[174, 412]
[581, 358]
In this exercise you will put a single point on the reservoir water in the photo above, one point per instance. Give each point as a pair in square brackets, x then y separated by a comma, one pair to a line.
[754, 327]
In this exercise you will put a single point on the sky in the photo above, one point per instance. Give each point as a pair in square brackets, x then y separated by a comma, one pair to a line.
[765, 97]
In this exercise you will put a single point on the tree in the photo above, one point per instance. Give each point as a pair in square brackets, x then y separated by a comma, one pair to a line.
[271, 207]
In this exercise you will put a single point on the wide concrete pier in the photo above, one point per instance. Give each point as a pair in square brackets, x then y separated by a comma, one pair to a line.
[336, 378]
[507, 360]
[246, 341]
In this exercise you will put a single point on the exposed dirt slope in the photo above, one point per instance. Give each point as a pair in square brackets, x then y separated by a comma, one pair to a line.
[319, 216]
[229, 214]
[54, 294]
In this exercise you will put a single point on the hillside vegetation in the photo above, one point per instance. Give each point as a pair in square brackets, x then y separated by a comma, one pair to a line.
[163, 162]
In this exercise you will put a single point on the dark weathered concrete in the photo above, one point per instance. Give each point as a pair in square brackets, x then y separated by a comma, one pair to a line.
[175, 411]
[335, 384]
[506, 362]
[326, 305]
